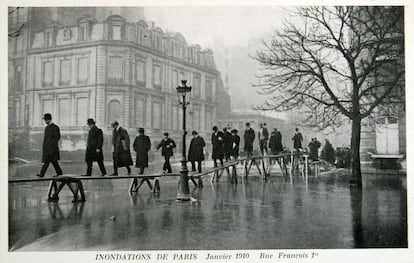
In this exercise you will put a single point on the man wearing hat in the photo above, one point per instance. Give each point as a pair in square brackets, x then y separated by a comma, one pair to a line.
[167, 145]
[94, 148]
[249, 137]
[50, 146]
[142, 144]
[195, 152]
[235, 139]
[121, 143]
[263, 135]
[217, 141]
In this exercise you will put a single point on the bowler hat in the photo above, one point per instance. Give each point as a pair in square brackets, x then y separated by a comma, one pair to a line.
[47, 116]
[90, 121]
[166, 133]
[234, 131]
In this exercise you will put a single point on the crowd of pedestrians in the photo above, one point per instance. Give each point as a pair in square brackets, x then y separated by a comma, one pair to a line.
[225, 147]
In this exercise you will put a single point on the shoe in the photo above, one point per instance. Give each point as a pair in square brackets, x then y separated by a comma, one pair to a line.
[114, 174]
[56, 175]
[103, 174]
[39, 175]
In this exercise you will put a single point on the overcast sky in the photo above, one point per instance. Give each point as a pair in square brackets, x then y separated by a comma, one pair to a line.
[201, 25]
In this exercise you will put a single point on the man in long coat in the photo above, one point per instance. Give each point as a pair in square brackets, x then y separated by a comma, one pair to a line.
[314, 146]
[263, 135]
[195, 152]
[142, 144]
[50, 146]
[275, 142]
[235, 139]
[297, 140]
[249, 136]
[167, 145]
[94, 148]
[217, 140]
[227, 143]
[121, 143]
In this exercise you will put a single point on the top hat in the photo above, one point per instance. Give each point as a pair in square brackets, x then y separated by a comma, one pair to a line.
[47, 116]
[90, 121]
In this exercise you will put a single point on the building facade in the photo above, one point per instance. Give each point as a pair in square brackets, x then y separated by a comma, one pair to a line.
[112, 69]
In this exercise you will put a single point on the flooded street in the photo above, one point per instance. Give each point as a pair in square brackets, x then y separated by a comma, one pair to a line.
[279, 213]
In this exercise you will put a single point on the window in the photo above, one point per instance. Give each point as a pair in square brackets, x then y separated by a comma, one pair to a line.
[65, 67]
[392, 120]
[175, 118]
[139, 112]
[174, 79]
[115, 69]
[47, 106]
[182, 76]
[196, 85]
[18, 78]
[81, 110]
[49, 39]
[156, 115]
[83, 69]
[140, 71]
[209, 120]
[157, 76]
[196, 120]
[209, 89]
[114, 111]
[47, 73]
[67, 34]
[82, 33]
[116, 33]
[64, 112]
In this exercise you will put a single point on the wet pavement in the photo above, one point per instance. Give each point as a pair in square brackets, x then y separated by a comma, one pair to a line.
[280, 213]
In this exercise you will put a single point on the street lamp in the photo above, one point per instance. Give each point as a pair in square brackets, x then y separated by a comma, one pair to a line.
[184, 96]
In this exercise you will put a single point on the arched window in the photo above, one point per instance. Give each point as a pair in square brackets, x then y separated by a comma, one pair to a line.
[114, 111]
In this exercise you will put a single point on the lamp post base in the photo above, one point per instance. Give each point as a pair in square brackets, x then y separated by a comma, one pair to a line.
[183, 190]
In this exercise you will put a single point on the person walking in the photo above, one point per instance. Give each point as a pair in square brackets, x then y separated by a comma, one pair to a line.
[314, 146]
[249, 137]
[275, 142]
[263, 136]
[121, 153]
[297, 140]
[50, 152]
[167, 145]
[227, 143]
[235, 139]
[195, 152]
[141, 145]
[94, 148]
[217, 141]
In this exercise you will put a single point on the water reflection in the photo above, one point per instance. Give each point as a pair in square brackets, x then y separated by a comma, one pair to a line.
[281, 212]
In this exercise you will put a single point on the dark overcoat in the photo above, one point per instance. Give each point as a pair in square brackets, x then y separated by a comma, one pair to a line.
[313, 150]
[195, 152]
[51, 143]
[249, 136]
[217, 141]
[95, 141]
[121, 143]
[275, 142]
[235, 145]
[264, 135]
[142, 144]
[228, 143]
[167, 147]
[297, 140]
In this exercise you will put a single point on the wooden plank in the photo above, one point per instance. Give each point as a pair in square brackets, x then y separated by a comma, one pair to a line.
[78, 177]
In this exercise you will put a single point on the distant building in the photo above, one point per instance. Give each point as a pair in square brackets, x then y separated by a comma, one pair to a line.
[100, 64]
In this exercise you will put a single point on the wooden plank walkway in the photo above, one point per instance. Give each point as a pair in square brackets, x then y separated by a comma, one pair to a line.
[74, 182]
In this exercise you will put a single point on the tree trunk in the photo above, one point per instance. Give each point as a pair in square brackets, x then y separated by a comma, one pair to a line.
[356, 178]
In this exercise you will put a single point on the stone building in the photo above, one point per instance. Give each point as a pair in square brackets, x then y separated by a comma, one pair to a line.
[104, 66]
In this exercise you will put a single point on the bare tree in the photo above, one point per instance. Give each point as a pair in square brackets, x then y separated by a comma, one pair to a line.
[337, 63]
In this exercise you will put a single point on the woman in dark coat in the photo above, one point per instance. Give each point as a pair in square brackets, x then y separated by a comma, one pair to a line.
[142, 144]
[195, 152]
[94, 148]
[121, 143]
[235, 144]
